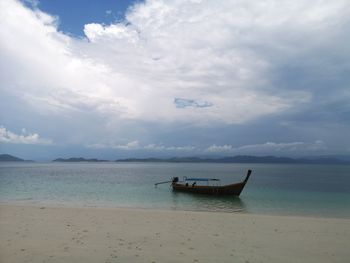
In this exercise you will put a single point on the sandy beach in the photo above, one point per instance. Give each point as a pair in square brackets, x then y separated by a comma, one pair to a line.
[62, 234]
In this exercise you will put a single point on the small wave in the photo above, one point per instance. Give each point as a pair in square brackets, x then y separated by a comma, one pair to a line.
[23, 199]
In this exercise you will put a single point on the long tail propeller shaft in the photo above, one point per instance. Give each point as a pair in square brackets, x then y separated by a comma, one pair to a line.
[162, 183]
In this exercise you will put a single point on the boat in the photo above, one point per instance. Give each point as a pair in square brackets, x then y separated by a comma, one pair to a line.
[190, 185]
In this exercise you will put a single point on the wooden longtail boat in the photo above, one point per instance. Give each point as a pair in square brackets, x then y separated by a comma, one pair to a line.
[184, 186]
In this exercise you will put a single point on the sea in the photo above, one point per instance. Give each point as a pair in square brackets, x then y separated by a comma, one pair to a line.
[280, 189]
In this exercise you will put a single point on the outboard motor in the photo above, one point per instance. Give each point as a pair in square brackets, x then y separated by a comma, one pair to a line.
[175, 179]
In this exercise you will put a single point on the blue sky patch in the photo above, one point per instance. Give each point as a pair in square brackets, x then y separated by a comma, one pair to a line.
[73, 15]
[183, 103]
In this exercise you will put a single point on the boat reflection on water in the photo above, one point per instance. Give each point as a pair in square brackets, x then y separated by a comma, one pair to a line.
[188, 201]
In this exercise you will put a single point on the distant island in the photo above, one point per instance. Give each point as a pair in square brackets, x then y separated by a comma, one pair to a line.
[232, 159]
[242, 159]
[80, 159]
[10, 158]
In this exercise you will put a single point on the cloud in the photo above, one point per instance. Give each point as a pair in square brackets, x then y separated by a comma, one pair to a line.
[271, 148]
[219, 148]
[164, 50]
[183, 103]
[7, 136]
[154, 147]
[32, 3]
[268, 148]
[135, 145]
[174, 64]
[264, 148]
[281, 147]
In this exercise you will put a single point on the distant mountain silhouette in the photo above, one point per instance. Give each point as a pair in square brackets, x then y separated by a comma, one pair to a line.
[10, 158]
[80, 159]
[228, 159]
[241, 159]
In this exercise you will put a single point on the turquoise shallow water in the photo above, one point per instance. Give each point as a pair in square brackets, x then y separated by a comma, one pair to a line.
[309, 190]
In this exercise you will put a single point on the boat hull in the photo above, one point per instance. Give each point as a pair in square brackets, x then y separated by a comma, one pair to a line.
[232, 189]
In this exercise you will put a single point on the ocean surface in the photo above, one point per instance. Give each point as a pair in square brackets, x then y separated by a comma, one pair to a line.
[307, 190]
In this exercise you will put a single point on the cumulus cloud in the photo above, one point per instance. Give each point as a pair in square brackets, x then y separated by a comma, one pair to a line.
[155, 147]
[271, 148]
[135, 145]
[170, 62]
[219, 148]
[163, 51]
[7, 136]
[280, 147]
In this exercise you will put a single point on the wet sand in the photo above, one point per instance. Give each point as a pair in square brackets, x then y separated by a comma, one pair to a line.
[57, 234]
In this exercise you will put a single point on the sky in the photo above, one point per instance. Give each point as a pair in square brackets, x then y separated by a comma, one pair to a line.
[118, 79]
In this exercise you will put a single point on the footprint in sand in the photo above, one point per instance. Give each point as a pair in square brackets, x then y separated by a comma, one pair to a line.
[113, 256]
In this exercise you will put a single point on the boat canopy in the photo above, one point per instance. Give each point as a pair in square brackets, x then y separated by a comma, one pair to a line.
[201, 179]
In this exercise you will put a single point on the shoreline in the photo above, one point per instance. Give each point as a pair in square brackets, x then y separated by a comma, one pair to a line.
[100, 234]
[77, 205]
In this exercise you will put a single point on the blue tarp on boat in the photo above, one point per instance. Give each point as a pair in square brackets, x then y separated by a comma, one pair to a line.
[201, 179]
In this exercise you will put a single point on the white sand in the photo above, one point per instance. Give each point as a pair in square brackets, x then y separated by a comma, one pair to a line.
[54, 234]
